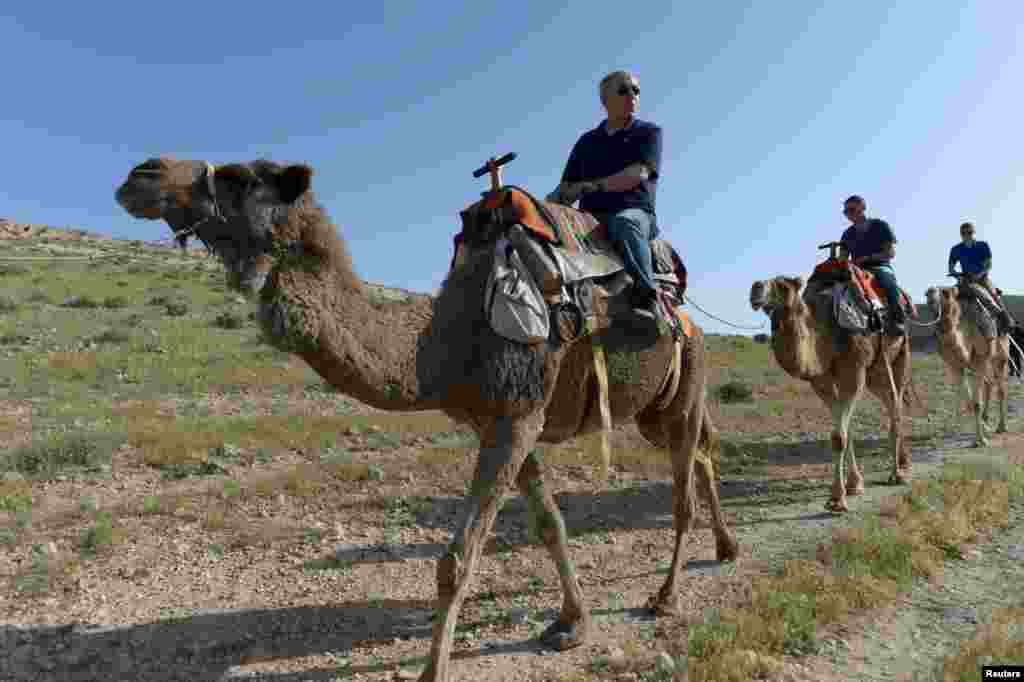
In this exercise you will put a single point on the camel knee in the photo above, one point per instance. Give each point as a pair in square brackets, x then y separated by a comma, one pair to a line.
[838, 442]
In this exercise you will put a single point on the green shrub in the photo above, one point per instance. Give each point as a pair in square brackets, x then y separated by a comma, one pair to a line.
[734, 392]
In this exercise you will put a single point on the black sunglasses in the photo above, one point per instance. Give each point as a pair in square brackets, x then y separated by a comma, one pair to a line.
[626, 89]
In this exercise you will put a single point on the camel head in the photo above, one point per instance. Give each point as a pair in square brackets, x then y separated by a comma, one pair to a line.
[780, 293]
[943, 301]
[235, 210]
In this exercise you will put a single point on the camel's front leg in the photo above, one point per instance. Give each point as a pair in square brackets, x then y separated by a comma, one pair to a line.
[963, 394]
[842, 412]
[504, 445]
[573, 624]
[980, 366]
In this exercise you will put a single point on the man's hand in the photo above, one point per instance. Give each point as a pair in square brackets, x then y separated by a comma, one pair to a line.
[568, 192]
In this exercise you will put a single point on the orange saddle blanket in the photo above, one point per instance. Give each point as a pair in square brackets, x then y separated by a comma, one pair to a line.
[563, 226]
[866, 283]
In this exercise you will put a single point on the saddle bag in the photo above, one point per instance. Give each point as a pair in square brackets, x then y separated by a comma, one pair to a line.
[513, 303]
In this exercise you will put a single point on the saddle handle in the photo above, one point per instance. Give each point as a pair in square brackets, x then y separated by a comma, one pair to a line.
[833, 248]
[499, 162]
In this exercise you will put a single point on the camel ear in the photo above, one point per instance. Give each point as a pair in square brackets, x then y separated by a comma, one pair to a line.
[293, 182]
[798, 282]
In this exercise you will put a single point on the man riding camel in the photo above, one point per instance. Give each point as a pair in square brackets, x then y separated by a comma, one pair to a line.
[975, 259]
[871, 244]
[613, 170]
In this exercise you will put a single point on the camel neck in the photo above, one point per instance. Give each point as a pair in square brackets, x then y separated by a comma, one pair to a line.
[352, 336]
[799, 347]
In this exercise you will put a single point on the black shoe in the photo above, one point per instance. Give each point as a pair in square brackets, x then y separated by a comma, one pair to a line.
[646, 306]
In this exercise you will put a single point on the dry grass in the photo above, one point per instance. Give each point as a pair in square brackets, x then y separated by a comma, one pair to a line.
[864, 567]
[999, 641]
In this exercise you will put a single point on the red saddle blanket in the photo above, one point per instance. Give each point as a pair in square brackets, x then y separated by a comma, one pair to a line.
[563, 226]
[866, 283]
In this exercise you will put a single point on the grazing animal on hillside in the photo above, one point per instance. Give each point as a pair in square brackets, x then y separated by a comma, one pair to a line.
[278, 245]
[808, 346]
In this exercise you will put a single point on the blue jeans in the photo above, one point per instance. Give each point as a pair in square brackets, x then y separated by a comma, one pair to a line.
[631, 231]
[886, 279]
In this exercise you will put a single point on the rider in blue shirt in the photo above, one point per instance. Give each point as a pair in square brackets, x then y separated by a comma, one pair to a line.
[871, 244]
[975, 259]
[613, 170]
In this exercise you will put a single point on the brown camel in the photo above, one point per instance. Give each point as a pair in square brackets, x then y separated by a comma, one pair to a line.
[279, 245]
[838, 366]
[966, 350]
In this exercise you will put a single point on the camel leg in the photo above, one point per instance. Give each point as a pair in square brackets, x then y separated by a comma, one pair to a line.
[847, 392]
[573, 623]
[963, 393]
[854, 478]
[980, 366]
[726, 547]
[1000, 379]
[900, 368]
[684, 437]
[504, 445]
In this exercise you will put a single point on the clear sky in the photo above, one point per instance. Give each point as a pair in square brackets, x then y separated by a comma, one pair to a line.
[772, 114]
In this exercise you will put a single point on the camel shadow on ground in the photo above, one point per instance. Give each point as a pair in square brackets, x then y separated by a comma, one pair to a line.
[207, 645]
[643, 505]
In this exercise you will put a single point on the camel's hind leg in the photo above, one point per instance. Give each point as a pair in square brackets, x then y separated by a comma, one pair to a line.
[888, 381]
[980, 364]
[573, 623]
[685, 438]
[1000, 379]
[504, 445]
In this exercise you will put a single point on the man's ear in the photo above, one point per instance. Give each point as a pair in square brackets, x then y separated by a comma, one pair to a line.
[293, 181]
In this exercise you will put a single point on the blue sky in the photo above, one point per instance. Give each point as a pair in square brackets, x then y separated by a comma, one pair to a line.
[772, 112]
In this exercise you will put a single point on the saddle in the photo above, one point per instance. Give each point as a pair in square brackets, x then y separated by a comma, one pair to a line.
[977, 304]
[570, 256]
[858, 301]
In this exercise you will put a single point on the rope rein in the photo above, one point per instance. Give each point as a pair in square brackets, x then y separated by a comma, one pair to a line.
[688, 299]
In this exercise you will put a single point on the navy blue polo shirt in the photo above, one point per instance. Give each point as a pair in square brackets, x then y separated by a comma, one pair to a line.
[870, 241]
[971, 258]
[597, 155]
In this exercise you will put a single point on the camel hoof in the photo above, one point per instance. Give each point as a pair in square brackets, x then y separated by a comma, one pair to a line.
[1001, 428]
[855, 490]
[428, 674]
[837, 506]
[727, 549]
[561, 636]
[982, 442]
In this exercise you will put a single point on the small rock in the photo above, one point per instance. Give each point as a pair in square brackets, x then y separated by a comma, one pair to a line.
[518, 616]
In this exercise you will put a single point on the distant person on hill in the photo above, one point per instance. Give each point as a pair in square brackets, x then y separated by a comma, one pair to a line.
[613, 170]
[975, 259]
[871, 244]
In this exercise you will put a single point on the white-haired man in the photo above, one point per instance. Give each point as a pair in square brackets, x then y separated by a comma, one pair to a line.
[613, 170]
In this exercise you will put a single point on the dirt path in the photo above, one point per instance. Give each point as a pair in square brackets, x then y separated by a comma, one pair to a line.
[909, 641]
[371, 617]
